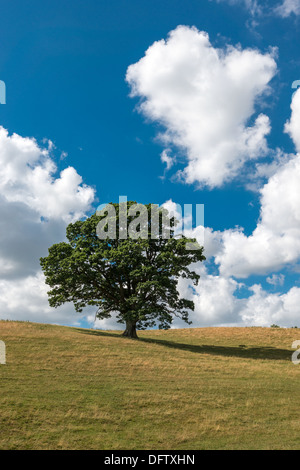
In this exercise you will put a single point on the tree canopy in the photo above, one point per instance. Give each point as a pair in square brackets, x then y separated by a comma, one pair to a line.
[134, 277]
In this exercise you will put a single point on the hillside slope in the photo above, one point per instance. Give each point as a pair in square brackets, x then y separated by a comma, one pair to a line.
[210, 388]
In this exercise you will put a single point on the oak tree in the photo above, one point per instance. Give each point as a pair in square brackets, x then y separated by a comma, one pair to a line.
[135, 277]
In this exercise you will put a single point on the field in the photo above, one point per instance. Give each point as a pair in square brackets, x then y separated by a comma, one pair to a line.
[209, 388]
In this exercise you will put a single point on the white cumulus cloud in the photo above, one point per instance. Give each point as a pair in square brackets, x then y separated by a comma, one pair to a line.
[35, 206]
[275, 242]
[265, 309]
[292, 127]
[276, 279]
[288, 7]
[204, 98]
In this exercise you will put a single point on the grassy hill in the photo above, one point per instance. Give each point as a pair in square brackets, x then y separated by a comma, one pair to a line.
[210, 388]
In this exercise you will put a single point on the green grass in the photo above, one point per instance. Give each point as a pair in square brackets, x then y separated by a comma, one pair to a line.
[210, 388]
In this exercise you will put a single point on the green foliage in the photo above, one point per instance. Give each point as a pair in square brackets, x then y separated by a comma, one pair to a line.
[137, 278]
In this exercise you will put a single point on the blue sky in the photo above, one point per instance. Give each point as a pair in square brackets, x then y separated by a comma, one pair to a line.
[64, 64]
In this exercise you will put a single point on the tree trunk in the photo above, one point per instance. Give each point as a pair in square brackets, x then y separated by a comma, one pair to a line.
[130, 331]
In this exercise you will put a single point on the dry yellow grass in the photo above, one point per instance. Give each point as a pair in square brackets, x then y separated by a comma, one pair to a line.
[209, 388]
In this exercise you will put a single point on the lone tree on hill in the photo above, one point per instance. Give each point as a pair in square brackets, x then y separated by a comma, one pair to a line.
[135, 277]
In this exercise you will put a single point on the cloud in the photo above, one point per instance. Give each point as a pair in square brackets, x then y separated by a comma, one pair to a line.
[27, 176]
[35, 206]
[252, 6]
[217, 303]
[204, 99]
[105, 324]
[26, 299]
[287, 8]
[265, 309]
[214, 299]
[207, 120]
[167, 159]
[259, 8]
[276, 279]
[264, 171]
[292, 127]
[275, 242]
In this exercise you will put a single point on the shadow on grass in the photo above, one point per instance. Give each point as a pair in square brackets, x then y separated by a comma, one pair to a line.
[242, 351]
